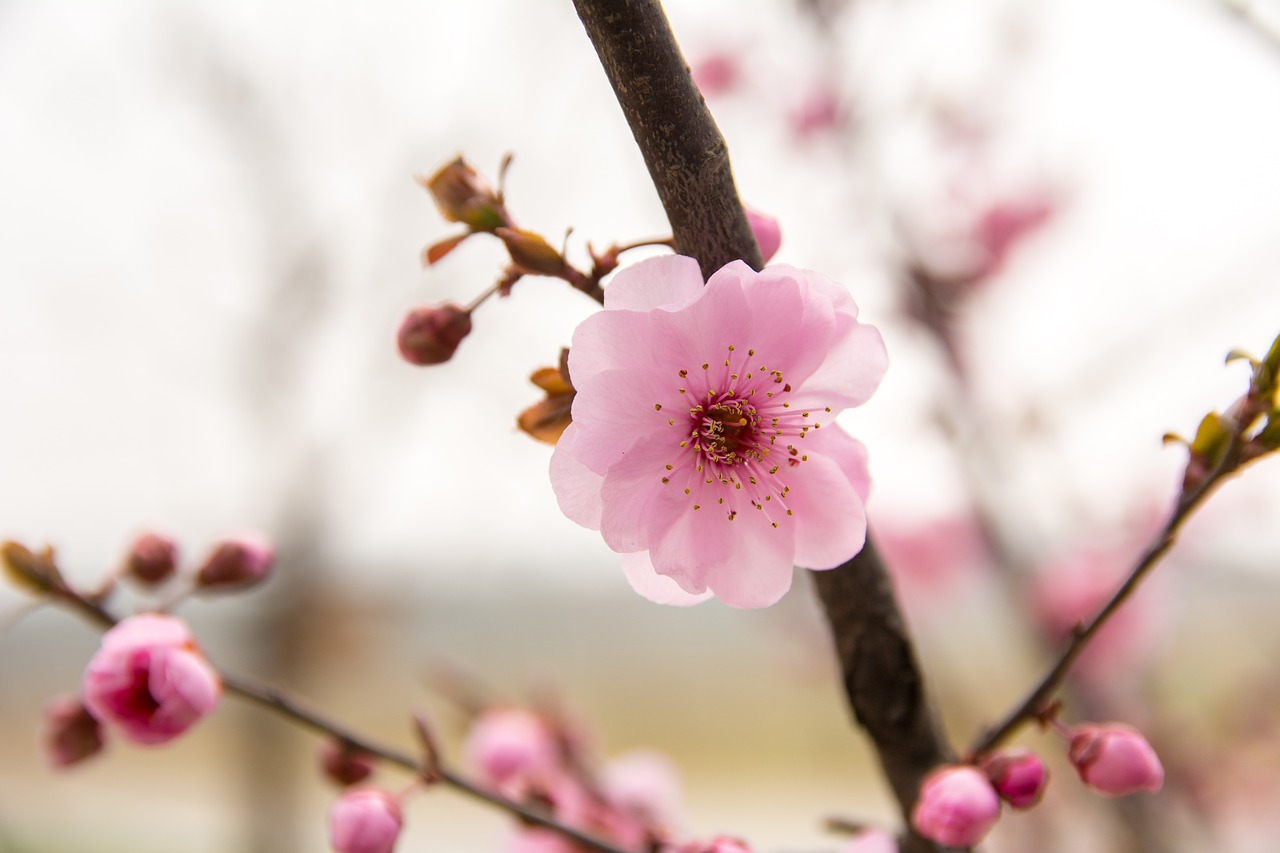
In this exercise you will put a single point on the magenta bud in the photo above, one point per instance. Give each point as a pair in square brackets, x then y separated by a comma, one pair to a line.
[237, 562]
[1114, 759]
[71, 733]
[1018, 776]
[152, 558]
[343, 764]
[957, 806]
[766, 231]
[432, 335]
[366, 820]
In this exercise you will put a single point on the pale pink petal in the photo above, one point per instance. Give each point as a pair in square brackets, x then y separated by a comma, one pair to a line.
[634, 497]
[667, 281]
[831, 519]
[577, 487]
[609, 340]
[644, 579]
[765, 576]
[853, 370]
[617, 408]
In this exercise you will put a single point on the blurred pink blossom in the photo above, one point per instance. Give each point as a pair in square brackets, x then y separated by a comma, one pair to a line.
[817, 110]
[365, 820]
[645, 784]
[767, 232]
[71, 733]
[957, 807]
[1004, 224]
[717, 74]
[510, 747]
[928, 560]
[538, 840]
[697, 446]
[1071, 589]
[149, 680]
[719, 844]
[1018, 775]
[1115, 759]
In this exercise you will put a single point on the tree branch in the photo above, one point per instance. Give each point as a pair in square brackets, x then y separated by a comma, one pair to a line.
[689, 164]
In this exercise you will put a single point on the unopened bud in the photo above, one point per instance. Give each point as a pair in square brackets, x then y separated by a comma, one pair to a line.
[432, 335]
[71, 733]
[956, 808]
[463, 196]
[152, 558]
[530, 253]
[766, 231]
[343, 764]
[365, 821]
[1114, 759]
[1018, 776]
[33, 571]
[237, 562]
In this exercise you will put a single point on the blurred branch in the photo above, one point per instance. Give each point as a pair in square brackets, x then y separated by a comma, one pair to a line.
[689, 163]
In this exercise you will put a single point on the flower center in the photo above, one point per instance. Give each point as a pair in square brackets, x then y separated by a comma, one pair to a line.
[725, 427]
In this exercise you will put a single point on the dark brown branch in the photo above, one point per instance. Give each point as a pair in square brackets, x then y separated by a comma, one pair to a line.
[682, 147]
[689, 164]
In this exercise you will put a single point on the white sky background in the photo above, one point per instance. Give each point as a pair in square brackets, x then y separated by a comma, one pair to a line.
[138, 235]
[165, 166]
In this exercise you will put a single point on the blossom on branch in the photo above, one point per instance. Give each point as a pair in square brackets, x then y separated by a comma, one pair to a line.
[1114, 759]
[703, 445]
[149, 680]
[957, 806]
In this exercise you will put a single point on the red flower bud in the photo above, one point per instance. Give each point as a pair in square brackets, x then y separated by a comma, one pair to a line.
[1019, 777]
[237, 563]
[71, 733]
[152, 558]
[1115, 759]
[432, 335]
[344, 765]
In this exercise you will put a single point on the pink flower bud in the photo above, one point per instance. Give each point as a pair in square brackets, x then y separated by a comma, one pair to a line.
[432, 335]
[1019, 777]
[149, 680]
[871, 841]
[342, 764]
[71, 734]
[510, 746]
[766, 231]
[237, 562]
[152, 558]
[644, 784]
[1115, 759]
[717, 74]
[957, 807]
[365, 821]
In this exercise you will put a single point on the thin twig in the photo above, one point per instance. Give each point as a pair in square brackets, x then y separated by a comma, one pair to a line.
[295, 710]
[1037, 699]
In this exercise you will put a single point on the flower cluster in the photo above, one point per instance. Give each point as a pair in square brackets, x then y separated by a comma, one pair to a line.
[704, 445]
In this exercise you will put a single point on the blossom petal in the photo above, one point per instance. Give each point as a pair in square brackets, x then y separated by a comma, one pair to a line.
[577, 487]
[667, 281]
[617, 408]
[852, 372]
[634, 498]
[659, 589]
[831, 518]
[608, 340]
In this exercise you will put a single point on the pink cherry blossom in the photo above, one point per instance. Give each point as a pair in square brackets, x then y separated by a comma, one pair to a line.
[767, 232]
[645, 784]
[237, 562]
[703, 444]
[149, 680]
[719, 844]
[509, 747]
[957, 807]
[1115, 759]
[365, 820]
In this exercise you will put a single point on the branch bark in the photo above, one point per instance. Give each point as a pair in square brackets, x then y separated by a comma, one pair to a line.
[689, 163]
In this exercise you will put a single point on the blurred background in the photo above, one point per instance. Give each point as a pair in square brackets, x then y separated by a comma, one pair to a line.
[1061, 214]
